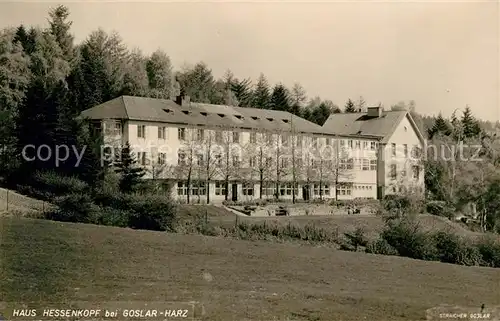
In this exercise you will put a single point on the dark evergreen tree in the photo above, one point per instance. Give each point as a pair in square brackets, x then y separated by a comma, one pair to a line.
[321, 113]
[279, 98]
[59, 28]
[471, 127]
[440, 127]
[261, 94]
[349, 106]
[242, 90]
[131, 173]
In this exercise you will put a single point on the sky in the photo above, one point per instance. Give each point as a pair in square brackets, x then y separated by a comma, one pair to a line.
[443, 55]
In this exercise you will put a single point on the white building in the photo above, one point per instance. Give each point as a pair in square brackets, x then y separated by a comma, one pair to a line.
[203, 150]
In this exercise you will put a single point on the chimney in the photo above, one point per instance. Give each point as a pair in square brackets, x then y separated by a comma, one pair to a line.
[183, 100]
[374, 112]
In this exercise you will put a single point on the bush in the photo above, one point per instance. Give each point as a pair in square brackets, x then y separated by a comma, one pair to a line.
[453, 249]
[400, 206]
[440, 208]
[380, 246]
[490, 251]
[354, 240]
[77, 208]
[151, 213]
[49, 185]
[408, 239]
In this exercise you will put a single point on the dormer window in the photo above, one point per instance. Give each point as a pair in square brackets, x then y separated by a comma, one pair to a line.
[221, 115]
[204, 114]
[255, 118]
[238, 116]
[285, 121]
[168, 111]
[186, 112]
[270, 119]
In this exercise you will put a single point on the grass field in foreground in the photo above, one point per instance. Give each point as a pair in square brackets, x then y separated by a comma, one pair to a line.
[60, 262]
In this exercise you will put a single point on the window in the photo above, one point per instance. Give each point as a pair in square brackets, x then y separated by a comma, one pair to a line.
[416, 172]
[357, 144]
[286, 189]
[365, 145]
[349, 143]
[236, 161]
[326, 190]
[162, 133]
[403, 172]
[141, 158]
[181, 133]
[344, 190]
[284, 141]
[253, 138]
[299, 163]
[236, 137]
[328, 141]
[118, 127]
[393, 148]
[200, 135]
[141, 131]
[218, 159]
[405, 149]
[268, 189]
[269, 138]
[350, 163]
[316, 189]
[284, 162]
[162, 158]
[199, 160]
[415, 152]
[248, 189]
[366, 165]
[373, 164]
[373, 145]
[198, 188]
[269, 161]
[181, 158]
[182, 188]
[394, 173]
[342, 142]
[218, 137]
[220, 188]
[299, 141]
[252, 162]
[315, 142]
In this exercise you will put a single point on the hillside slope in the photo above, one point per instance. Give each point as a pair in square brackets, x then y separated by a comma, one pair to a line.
[233, 280]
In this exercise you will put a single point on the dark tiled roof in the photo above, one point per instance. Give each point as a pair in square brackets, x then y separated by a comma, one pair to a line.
[164, 110]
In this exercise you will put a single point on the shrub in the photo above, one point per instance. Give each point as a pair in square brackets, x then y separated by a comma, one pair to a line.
[408, 239]
[399, 206]
[454, 249]
[440, 208]
[112, 217]
[354, 240]
[58, 185]
[77, 208]
[489, 248]
[380, 246]
[151, 212]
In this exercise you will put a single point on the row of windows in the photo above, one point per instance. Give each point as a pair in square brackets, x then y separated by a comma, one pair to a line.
[415, 169]
[414, 152]
[268, 138]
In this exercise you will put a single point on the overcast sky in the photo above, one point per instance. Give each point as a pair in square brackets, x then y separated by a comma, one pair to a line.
[443, 55]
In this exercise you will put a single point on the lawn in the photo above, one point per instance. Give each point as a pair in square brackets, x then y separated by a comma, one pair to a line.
[231, 279]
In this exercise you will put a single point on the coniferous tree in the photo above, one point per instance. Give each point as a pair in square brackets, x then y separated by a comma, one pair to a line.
[242, 90]
[131, 173]
[349, 106]
[279, 98]
[321, 113]
[440, 127]
[470, 125]
[160, 76]
[261, 94]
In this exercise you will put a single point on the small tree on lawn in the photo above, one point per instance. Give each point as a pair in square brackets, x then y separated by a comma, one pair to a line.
[131, 174]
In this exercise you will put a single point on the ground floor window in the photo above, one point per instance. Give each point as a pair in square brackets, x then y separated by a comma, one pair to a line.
[344, 190]
[198, 188]
[286, 189]
[220, 188]
[248, 189]
[268, 189]
[326, 189]
[182, 188]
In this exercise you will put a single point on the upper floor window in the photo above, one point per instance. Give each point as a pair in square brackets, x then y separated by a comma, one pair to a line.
[141, 158]
[141, 131]
[357, 144]
[394, 171]
[365, 145]
[253, 138]
[284, 141]
[269, 138]
[416, 172]
[366, 164]
[162, 158]
[218, 136]
[236, 161]
[181, 158]
[162, 132]
[373, 145]
[328, 141]
[342, 142]
[200, 134]
[405, 149]
[349, 143]
[373, 164]
[200, 160]
[236, 137]
[393, 149]
[299, 141]
[181, 132]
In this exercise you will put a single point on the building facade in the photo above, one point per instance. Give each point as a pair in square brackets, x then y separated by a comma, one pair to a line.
[210, 153]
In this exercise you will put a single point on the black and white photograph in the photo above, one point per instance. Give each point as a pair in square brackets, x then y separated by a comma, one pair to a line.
[249, 160]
